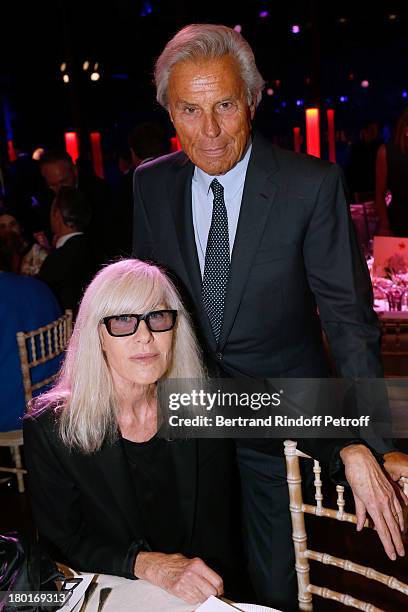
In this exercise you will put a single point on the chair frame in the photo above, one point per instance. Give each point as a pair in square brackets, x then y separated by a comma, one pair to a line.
[302, 553]
[52, 341]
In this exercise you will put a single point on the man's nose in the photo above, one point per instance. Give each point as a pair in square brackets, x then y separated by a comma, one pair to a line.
[211, 126]
[143, 333]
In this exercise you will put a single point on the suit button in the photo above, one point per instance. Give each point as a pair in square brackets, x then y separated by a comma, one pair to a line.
[219, 356]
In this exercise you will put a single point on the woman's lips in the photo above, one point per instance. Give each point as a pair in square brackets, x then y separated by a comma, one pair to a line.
[144, 357]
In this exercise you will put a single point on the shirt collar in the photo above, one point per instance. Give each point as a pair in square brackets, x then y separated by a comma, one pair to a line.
[61, 241]
[231, 180]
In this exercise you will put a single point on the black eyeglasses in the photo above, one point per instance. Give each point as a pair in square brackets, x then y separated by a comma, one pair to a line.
[127, 324]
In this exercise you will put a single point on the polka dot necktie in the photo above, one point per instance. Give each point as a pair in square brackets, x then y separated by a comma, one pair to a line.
[217, 261]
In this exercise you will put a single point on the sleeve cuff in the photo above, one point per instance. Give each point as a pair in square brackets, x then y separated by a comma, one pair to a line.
[129, 561]
[336, 466]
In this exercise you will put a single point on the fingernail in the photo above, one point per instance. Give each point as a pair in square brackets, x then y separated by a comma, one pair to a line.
[393, 557]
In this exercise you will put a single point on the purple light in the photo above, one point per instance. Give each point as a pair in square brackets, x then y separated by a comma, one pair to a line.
[147, 9]
[404, 94]
[238, 28]
[365, 84]
[283, 104]
[295, 29]
[343, 99]
[264, 14]
[299, 102]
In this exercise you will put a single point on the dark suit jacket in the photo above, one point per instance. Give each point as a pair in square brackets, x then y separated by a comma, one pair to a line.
[295, 253]
[87, 510]
[68, 270]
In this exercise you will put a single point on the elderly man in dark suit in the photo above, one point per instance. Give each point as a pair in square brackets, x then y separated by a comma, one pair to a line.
[261, 239]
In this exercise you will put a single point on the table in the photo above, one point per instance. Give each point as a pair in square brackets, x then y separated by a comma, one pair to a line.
[140, 596]
[134, 595]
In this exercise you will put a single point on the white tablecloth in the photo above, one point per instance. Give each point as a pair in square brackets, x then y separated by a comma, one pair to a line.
[141, 596]
[134, 595]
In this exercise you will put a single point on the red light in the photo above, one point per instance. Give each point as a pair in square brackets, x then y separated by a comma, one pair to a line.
[296, 139]
[11, 152]
[313, 131]
[72, 145]
[175, 144]
[331, 135]
[97, 154]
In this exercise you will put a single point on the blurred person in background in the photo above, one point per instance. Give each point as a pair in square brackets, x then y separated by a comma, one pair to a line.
[392, 175]
[360, 169]
[25, 305]
[25, 255]
[147, 141]
[58, 170]
[70, 267]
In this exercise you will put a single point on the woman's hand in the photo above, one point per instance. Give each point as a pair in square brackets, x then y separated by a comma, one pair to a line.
[189, 579]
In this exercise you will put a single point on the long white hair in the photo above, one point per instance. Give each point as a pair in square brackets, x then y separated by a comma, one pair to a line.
[84, 395]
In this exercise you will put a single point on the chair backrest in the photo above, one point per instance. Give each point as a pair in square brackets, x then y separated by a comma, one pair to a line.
[302, 553]
[41, 346]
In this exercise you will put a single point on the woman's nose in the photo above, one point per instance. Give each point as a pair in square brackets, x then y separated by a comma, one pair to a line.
[143, 333]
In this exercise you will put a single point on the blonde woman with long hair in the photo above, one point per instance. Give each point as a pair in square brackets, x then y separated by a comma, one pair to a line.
[108, 495]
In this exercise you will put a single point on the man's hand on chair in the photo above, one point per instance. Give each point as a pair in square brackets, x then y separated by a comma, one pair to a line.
[376, 495]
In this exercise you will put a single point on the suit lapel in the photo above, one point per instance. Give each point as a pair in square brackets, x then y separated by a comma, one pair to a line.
[257, 201]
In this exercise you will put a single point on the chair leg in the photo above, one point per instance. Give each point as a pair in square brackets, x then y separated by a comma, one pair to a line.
[15, 451]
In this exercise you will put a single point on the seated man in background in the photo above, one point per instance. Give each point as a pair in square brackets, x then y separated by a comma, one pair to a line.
[71, 266]
[25, 305]
[147, 141]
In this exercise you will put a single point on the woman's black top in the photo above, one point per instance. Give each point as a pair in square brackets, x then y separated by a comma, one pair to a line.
[154, 477]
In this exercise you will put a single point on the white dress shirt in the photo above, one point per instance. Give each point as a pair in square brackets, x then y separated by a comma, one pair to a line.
[202, 203]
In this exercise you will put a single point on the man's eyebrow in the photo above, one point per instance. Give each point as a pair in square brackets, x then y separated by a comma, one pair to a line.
[230, 98]
[186, 102]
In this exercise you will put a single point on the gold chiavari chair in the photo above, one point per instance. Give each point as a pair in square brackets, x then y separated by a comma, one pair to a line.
[302, 553]
[35, 348]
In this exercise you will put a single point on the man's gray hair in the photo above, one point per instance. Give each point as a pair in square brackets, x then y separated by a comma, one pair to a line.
[206, 41]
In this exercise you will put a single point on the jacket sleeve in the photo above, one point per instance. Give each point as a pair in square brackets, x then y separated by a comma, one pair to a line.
[339, 279]
[56, 505]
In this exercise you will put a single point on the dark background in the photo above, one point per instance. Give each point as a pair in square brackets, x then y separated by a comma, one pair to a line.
[125, 37]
